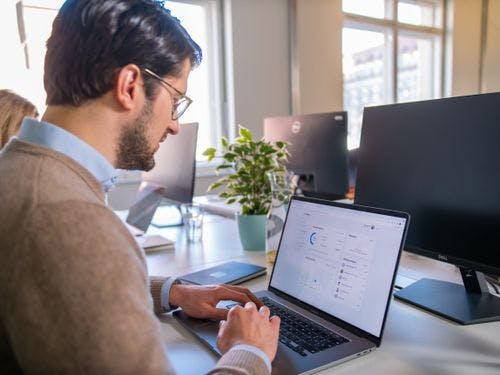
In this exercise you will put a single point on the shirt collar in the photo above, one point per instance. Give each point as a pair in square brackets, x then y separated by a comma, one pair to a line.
[52, 136]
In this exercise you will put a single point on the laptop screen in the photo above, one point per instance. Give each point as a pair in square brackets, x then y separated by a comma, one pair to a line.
[147, 200]
[340, 260]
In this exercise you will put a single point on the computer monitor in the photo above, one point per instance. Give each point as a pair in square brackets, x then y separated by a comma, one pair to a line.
[318, 150]
[174, 170]
[439, 161]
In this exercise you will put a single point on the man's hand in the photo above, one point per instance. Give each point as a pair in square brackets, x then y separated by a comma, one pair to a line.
[251, 327]
[199, 301]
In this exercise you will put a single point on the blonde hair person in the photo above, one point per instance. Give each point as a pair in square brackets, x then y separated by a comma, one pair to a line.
[13, 108]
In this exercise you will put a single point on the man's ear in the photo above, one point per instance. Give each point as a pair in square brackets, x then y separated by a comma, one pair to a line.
[129, 86]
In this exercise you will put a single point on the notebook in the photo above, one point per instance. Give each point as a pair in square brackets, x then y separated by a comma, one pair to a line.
[331, 284]
[226, 273]
[140, 215]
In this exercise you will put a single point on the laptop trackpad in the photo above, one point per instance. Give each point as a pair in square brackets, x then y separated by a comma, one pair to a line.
[206, 330]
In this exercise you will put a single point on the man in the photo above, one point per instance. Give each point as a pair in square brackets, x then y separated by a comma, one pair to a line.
[74, 291]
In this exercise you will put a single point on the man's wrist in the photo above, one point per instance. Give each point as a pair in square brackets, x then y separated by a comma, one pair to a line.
[166, 294]
[174, 297]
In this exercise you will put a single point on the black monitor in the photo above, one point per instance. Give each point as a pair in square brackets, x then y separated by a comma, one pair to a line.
[439, 160]
[318, 150]
[174, 171]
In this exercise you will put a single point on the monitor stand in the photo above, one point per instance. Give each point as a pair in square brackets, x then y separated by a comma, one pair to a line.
[470, 303]
[167, 216]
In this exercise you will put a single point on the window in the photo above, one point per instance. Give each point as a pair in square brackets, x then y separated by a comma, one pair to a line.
[201, 20]
[35, 17]
[199, 17]
[392, 52]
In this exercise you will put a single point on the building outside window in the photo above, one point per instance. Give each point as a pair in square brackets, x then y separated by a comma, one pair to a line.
[392, 52]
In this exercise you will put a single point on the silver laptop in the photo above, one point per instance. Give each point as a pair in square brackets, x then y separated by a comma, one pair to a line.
[140, 215]
[331, 284]
[146, 202]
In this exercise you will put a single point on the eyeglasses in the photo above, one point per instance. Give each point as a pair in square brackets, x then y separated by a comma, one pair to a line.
[181, 105]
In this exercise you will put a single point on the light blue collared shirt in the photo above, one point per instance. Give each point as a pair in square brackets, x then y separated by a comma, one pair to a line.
[52, 136]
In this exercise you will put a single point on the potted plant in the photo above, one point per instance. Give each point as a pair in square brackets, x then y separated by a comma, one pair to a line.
[249, 161]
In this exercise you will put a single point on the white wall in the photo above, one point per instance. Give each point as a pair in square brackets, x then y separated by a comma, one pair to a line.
[473, 70]
[491, 67]
[258, 77]
[466, 47]
[317, 65]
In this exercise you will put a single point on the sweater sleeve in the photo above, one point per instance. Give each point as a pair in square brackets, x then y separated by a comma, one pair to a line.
[155, 285]
[240, 362]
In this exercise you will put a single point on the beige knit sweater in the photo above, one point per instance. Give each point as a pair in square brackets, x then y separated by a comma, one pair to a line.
[74, 291]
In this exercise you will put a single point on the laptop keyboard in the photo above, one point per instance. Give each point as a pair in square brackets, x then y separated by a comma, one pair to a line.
[301, 334]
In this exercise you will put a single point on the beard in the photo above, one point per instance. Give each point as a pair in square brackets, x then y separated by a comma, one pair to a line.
[134, 151]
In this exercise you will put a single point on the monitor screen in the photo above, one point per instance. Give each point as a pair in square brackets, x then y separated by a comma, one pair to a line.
[175, 163]
[318, 150]
[439, 161]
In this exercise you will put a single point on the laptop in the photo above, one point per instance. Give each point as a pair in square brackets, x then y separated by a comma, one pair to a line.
[331, 284]
[140, 215]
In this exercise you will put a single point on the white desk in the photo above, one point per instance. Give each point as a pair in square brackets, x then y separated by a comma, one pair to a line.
[415, 342]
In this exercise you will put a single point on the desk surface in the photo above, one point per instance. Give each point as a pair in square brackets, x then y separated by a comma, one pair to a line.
[415, 341]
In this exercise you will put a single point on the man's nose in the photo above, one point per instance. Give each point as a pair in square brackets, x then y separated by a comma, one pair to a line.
[174, 127]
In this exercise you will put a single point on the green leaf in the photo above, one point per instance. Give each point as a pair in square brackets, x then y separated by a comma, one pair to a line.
[224, 142]
[245, 133]
[223, 166]
[210, 153]
[214, 185]
[229, 156]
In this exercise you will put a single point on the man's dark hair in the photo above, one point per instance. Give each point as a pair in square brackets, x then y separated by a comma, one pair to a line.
[92, 39]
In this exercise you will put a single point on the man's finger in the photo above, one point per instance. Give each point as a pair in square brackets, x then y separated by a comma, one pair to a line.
[225, 293]
[248, 293]
[250, 305]
[275, 321]
[264, 311]
[219, 314]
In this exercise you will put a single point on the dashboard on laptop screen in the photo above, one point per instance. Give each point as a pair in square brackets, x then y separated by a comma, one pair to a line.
[339, 260]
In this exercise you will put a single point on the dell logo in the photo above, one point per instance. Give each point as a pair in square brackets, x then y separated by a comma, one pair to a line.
[442, 257]
[296, 127]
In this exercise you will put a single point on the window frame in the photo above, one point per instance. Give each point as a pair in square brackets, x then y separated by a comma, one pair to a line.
[215, 69]
[391, 22]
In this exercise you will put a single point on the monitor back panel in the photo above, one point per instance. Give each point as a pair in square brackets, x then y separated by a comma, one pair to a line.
[318, 149]
[175, 165]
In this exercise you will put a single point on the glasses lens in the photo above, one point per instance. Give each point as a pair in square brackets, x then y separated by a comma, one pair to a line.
[180, 108]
